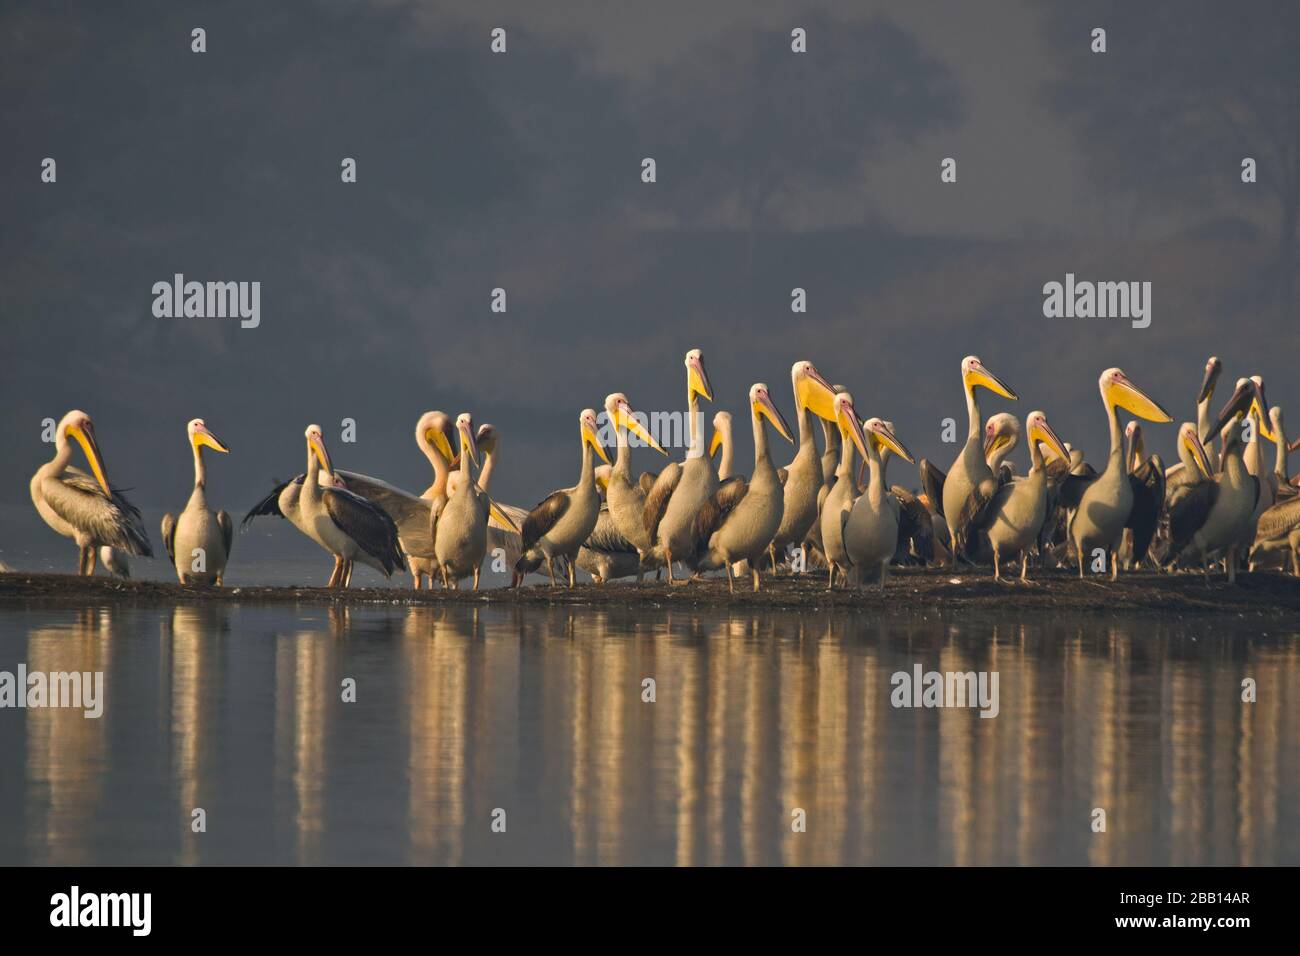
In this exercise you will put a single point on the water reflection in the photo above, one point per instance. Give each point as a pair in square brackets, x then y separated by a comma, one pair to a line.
[756, 720]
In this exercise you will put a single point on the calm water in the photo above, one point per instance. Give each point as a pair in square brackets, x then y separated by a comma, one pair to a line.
[459, 712]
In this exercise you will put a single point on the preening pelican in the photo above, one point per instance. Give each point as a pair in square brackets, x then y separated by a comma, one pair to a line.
[839, 501]
[504, 521]
[1001, 437]
[723, 439]
[1187, 500]
[1147, 479]
[813, 397]
[87, 510]
[459, 527]
[198, 542]
[738, 520]
[681, 489]
[1213, 369]
[871, 529]
[343, 523]
[625, 498]
[971, 484]
[560, 523]
[1019, 508]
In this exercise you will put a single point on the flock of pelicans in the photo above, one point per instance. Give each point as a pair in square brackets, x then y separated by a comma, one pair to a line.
[834, 512]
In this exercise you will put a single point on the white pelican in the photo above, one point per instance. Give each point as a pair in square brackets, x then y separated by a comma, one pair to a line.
[870, 531]
[813, 396]
[460, 526]
[1001, 437]
[681, 489]
[839, 501]
[738, 520]
[1103, 505]
[560, 523]
[1279, 531]
[83, 508]
[198, 542]
[115, 562]
[624, 497]
[1018, 510]
[1188, 500]
[970, 483]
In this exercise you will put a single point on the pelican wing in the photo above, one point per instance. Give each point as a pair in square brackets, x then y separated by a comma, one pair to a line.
[270, 505]
[915, 526]
[715, 509]
[1279, 520]
[1148, 484]
[932, 480]
[1187, 513]
[543, 517]
[369, 525]
[77, 498]
[1073, 488]
[605, 537]
[227, 530]
[656, 499]
[169, 536]
[646, 482]
[975, 512]
[409, 512]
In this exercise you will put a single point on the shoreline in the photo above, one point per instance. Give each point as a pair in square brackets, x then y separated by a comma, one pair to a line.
[1265, 595]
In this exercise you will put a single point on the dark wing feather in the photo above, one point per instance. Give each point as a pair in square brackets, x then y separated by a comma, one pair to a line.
[647, 481]
[1255, 481]
[270, 505]
[77, 498]
[1057, 469]
[369, 525]
[1072, 489]
[932, 480]
[715, 509]
[543, 517]
[169, 536]
[1148, 484]
[409, 512]
[656, 499]
[914, 526]
[974, 511]
[227, 530]
[605, 537]
[1187, 513]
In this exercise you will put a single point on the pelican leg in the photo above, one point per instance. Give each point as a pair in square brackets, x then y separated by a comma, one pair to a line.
[1295, 556]
[334, 574]
[1114, 565]
[476, 573]
[830, 581]
[348, 565]
[884, 575]
[573, 580]
[1232, 565]
[997, 568]
[753, 573]
[771, 557]
[550, 569]
[1080, 550]
[1024, 566]
[731, 584]
[668, 563]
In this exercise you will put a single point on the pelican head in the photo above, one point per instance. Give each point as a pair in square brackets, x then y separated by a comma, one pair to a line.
[882, 436]
[1133, 433]
[846, 417]
[1213, 369]
[1248, 396]
[77, 425]
[620, 414]
[433, 429]
[762, 406]
[697, 380]
[812, 392]
[974, 373]
[1257, 408]
[1117, 389]
[468, 441]
[601, 475]
[200, 436]
[1042, 433]
[316, 446]
[1000, 431]
[590, 431]
[1275, 419]
[721, 431]
[1187, 438]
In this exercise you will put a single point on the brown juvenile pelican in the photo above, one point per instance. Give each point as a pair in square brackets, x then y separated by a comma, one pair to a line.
[625, 498]
[971, 483]
[813, 396]
[681, 489]
[1018, 510]
[870, 531]
[1102, 505]
[344, 524]
[839, 502]
[565, 519]
[87, 510]
[198, 542]
[738, 520]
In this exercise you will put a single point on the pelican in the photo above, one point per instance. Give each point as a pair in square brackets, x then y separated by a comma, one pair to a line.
[459, 526]
[1213, 369]
[813, 396]
[625, 499]
[87, 510]
[738, 520]
[504, 520]
[970, 483]
[1019, 509]
[1279, 530]
[115, 562]
[681, 489]
[1188, 500]
[343, 523]
[1147, 479]
[606, 554]
[198, 542]
[839, 502]
[870, 531]
[722, 439]
[284, 501]
[1001, 437]
[560, 523]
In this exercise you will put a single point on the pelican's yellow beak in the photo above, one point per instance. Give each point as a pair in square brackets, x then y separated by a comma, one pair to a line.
[716, 443]
[438, 439]
[816, 394]
[847, 418]
[1264, 423]
[590, 437]
[322, 454]
[697, 380]
[996, 442]
[982, 376]
[86, 439]
[602, 482]
[884, 437]
[764, 407]
[1127, 395]
[627, 419]
[1193, 444]
[1040, 431]
[468, 443]
[204, 437]
[494, 511]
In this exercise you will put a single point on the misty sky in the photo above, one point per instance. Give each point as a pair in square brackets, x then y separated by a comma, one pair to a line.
[522, 171]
